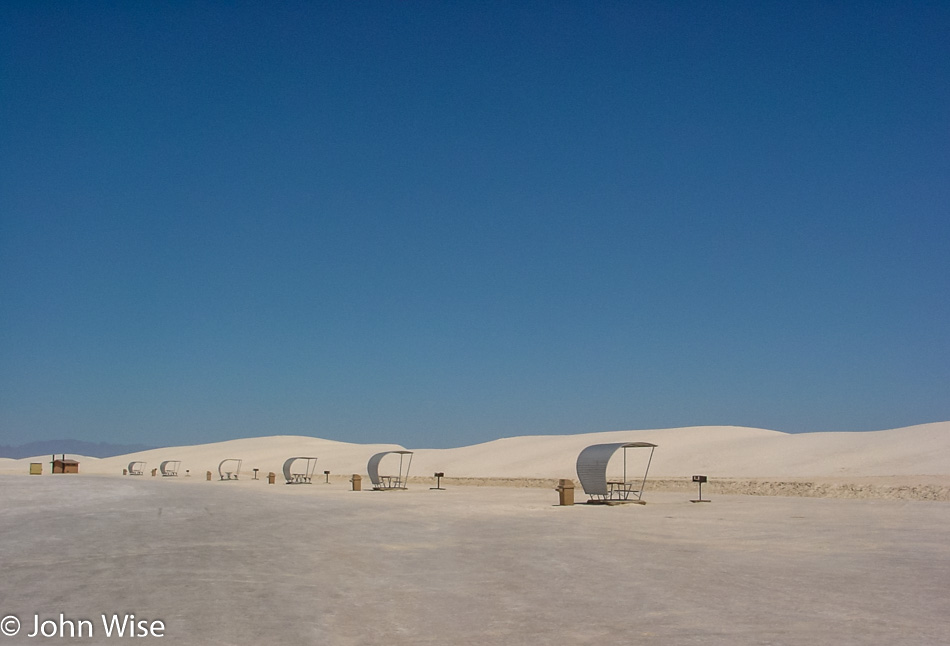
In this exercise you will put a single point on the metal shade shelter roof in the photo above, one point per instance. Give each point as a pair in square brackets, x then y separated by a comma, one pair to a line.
[592, 466]
[298, 476]
[229, 468]
[169, 467]
[388, 482]
[136, 468]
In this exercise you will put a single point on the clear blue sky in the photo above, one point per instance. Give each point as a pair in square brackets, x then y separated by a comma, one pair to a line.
[437, 224]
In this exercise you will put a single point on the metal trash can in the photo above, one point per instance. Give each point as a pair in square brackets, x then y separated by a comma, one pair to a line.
[565, 491]
[357, 481]
[271, 477]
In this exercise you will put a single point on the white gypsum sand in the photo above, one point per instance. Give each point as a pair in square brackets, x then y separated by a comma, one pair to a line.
[245, 562]
[912, 462]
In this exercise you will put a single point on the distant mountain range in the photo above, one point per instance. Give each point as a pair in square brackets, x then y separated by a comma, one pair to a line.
[74, 447]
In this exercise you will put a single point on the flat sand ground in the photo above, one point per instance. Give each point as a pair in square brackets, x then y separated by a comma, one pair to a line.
[250, 563]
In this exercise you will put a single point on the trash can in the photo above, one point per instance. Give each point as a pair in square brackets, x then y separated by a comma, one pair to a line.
[271, 477]
[36, 468]
[154, 472]
[357, 481]
[209, 476]
[565, 491]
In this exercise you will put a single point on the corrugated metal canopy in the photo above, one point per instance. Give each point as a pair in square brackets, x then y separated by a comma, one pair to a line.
[592, 464]
[169, 467]
[288, 463]
[372, 467]
[234, 468]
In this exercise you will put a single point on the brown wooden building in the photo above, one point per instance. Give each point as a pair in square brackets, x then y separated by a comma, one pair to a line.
[65, 466]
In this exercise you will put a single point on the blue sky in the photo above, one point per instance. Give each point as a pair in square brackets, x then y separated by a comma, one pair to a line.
[437, 224]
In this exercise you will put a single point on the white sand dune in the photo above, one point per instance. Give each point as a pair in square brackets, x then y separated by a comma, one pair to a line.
[245, 562]
[717, 451]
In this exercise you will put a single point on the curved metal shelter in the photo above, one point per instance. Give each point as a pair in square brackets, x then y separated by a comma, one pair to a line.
[169, 467]
[383, 483]
[136, 468]
[592, 472]
[229, 469]
[299, 470]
